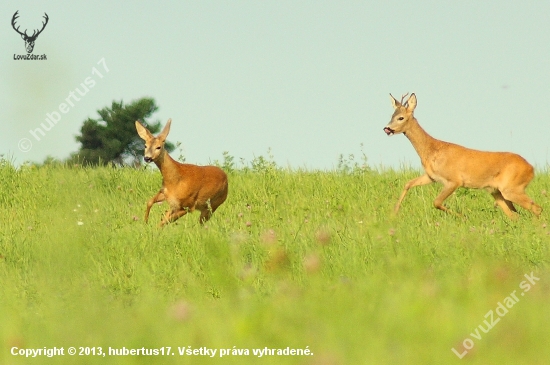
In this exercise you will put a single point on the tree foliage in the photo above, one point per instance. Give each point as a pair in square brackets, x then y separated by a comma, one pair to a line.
[112, 138]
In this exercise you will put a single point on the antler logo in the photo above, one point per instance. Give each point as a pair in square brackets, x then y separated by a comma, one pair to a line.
[29, 40]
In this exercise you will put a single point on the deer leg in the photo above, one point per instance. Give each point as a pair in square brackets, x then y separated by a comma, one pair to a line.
[419, 181]
[206, 213]
[448, 189]
[520, 198]
[218, 200]
[157, 198]
[172, 216]
[211, 205]
[207, 209]
[506, 205]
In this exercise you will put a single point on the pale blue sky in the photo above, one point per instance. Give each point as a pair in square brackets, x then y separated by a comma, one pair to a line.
[308, 79]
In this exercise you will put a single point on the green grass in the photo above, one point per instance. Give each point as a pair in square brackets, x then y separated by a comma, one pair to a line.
[292, 259]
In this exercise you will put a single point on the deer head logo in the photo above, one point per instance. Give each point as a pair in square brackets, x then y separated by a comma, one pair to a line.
[29, 40]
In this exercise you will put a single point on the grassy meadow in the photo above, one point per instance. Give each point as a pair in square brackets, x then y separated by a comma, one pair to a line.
[304, 260]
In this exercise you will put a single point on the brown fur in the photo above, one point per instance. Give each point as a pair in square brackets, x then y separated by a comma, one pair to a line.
[505, 175]
[185, 187]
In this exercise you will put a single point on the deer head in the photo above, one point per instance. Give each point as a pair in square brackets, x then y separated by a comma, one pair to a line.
[402, 115]
[29, 40]
[154, 146]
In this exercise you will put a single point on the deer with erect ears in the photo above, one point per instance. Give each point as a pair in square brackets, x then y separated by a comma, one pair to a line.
[185, 187]
[505, 175]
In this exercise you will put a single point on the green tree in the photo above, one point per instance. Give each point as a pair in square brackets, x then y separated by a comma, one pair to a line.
[113, 138]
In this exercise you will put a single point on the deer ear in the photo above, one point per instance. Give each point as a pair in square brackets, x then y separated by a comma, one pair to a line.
[411, 103]
[143, 132]
[162, 136]
[394, 102]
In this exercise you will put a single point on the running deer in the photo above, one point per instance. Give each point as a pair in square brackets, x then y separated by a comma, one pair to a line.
[185, 187]
[505, 175]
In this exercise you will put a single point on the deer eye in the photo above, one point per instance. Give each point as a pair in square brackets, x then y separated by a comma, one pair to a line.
[158, 148]
[400, 118]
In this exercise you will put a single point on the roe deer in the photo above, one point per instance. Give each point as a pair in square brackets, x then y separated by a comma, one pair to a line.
[505, 175]
[185, 187]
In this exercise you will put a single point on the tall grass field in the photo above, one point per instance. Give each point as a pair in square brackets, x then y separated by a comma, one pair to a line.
[296, 267]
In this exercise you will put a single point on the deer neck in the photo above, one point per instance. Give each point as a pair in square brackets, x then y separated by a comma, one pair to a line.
[168, 167]
[423, 143]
